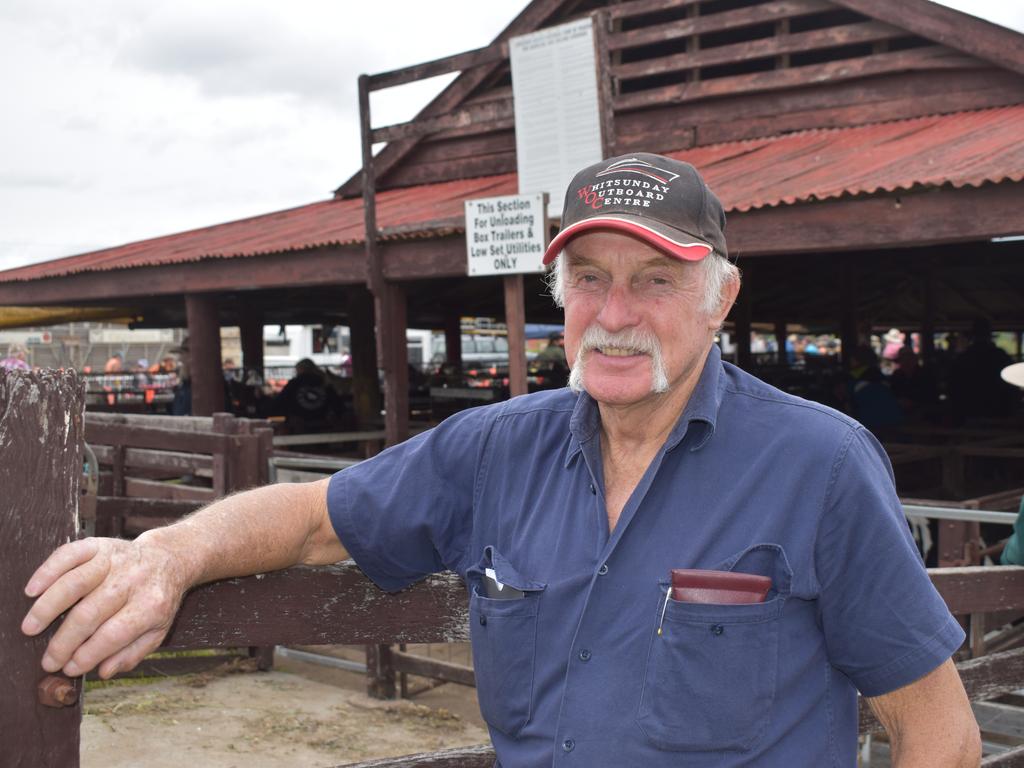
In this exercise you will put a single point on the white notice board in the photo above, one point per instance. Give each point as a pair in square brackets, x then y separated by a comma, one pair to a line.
[506, 235]
[558, 119]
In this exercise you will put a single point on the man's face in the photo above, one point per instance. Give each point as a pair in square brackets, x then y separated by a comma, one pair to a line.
[624, 303]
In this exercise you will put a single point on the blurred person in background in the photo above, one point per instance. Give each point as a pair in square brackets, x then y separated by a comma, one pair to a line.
[17, 359]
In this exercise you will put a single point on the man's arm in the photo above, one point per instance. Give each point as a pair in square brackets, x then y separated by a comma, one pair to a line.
[930, 722]
[123, 595]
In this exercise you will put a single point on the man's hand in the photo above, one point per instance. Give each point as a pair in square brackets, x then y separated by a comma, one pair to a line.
[122, 596]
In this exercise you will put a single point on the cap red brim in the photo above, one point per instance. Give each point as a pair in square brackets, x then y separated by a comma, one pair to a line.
[687, 251]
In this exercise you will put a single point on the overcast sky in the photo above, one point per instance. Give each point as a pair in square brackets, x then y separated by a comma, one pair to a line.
[125, 120]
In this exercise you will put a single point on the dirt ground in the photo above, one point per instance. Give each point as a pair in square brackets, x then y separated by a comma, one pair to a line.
[297, 715]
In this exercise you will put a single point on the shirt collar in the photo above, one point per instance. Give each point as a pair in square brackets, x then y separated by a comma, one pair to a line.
[702, 407]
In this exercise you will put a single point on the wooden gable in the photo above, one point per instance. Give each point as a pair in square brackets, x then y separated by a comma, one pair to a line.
[687, 73]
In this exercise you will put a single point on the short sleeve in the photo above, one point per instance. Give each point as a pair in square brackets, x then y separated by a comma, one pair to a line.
[885, 625]
[407, 512]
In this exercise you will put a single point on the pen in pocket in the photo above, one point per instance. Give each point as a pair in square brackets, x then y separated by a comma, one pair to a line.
[664, 605]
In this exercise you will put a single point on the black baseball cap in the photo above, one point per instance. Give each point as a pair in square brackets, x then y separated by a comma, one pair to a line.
[657, 199]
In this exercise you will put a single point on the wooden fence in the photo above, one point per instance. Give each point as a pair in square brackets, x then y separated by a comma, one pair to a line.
[40, 435]
[152, 470]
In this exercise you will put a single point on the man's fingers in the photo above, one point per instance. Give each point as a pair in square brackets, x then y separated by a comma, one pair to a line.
[62, 560]
[83, 622]
[129, 658]
[63, 593]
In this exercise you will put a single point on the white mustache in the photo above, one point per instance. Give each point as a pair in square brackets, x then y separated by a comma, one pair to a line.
[596, 337]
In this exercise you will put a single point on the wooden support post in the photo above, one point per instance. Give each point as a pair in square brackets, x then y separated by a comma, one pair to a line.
[515, 322]
[782, 30]
[928, 322]
[395, 363]
[780, 341]
[380, 670]
[605, 83]
[40, 471]
[742, 312]
[250, 329]
[693, 43]
[453, 339]
[848, 276]
[389, 297]
[366, 394]
[204, 354]
[954, 474]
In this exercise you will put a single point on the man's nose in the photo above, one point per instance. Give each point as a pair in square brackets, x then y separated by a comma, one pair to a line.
[621, 309]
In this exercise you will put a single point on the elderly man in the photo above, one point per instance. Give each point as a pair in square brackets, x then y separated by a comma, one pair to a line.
[566, 511]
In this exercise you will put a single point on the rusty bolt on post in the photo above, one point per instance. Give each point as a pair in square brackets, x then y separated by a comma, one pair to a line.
[57, 691]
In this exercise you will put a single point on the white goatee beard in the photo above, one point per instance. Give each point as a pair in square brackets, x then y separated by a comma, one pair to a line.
[596, 337]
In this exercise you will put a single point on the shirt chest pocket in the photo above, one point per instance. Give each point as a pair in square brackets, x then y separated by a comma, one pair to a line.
[710, 677]
[504, 639]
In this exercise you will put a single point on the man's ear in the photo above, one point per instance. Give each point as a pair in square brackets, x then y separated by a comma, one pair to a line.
[729, 293]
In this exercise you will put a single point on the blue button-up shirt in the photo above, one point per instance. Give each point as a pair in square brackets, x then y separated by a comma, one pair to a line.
[574, 671]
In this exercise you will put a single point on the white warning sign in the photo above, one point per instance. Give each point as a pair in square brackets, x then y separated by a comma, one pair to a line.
[506, 235]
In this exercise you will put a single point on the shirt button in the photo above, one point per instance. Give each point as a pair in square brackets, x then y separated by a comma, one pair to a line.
[717, 629]
[568, 745]
[603, 569]
[483, 621]
[584, 655]
[593, 490]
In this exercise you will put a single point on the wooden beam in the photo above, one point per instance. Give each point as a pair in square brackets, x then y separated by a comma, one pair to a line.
[980, 589]
[927, 58]
[40, 471]
[491, 54]
[124, 506]
[780, 45]
[415, 173]
[416, 259]
[896, 220]
[341, 265]
[639, 7]
[204, 354]
[715, 22]
[958, 30]
[481, 756]
[495, 114]
[836, 104]
[317, 606]
[433, 668]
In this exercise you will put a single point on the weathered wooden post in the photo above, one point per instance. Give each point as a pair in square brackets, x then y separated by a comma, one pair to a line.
[40, 471]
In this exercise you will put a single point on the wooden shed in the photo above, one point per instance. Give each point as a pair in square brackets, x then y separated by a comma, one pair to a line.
[870, 156]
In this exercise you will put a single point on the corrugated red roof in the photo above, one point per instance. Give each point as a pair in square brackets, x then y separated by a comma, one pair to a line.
[961, 149]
